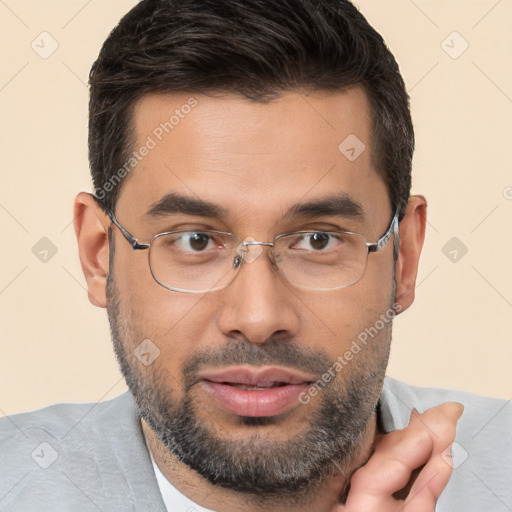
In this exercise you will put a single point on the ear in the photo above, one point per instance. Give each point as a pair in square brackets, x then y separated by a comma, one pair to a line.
[91, 225]
[412, 235]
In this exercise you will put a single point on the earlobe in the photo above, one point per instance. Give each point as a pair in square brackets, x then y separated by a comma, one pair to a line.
[91, 225]
[412, 236]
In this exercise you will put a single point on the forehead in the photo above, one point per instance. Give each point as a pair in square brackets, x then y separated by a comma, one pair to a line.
[253, 158]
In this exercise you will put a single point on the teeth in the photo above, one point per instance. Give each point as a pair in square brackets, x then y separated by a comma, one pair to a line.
[263, 385]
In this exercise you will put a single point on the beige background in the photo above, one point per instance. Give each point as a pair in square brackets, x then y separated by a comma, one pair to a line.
[55, 346]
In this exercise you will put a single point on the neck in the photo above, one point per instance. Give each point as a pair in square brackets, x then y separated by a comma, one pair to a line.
[196, 488]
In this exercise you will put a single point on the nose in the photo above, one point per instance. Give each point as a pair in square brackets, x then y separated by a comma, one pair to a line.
[258, 304]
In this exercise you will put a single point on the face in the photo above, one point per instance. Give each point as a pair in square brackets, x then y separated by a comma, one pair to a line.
[227, 391]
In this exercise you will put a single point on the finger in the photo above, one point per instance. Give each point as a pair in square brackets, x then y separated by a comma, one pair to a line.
[389, 469]
[433, 478]
[397, 456]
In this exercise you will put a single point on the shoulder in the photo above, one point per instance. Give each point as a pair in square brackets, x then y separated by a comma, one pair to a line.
[398, 398]
[58, 429]
[76, 453]
[57, 418]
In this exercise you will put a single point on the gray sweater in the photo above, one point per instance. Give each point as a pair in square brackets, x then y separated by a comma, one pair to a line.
[93, 457]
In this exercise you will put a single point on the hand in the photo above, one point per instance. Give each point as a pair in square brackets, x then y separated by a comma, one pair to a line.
[406, 472]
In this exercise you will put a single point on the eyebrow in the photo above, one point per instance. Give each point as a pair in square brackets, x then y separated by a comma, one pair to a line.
[339, 205]
[336, 205]
[174, 203]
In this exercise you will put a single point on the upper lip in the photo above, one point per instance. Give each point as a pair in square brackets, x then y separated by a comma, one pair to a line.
[254, 376]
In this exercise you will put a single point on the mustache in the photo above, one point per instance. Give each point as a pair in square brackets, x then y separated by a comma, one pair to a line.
[274, 352]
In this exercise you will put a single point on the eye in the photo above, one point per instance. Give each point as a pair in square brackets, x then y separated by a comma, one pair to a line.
[317, 241]
[195, 241]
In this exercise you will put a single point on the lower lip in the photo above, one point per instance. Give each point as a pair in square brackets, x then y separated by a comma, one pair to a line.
[256, 403]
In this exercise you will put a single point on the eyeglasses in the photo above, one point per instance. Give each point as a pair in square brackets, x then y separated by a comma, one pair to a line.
[201, 261]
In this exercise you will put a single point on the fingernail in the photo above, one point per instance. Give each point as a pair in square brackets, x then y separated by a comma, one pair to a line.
[460, 408]
[456, 408]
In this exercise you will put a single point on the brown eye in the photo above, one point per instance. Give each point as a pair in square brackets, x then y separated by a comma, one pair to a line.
[198, 241]
[319, 241]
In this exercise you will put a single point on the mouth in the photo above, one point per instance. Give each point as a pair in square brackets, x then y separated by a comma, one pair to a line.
[257, 387]
[256, 391]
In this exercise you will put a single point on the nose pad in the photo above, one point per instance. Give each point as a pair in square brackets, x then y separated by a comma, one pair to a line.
[248, 251]
[237, 261]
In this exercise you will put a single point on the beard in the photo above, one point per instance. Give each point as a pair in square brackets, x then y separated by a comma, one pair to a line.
[257, 464]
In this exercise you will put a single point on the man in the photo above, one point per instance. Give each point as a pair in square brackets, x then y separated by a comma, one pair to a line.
[252, 237]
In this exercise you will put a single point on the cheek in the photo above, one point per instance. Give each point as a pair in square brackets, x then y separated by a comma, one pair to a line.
[153, 309]
[180, 325]
[172, 321]
[333, 321]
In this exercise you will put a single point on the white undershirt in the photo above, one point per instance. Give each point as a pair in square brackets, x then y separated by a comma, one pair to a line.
[174, 501]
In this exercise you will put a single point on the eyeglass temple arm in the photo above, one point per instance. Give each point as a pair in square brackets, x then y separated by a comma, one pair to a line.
[384, 239]
[131, 239]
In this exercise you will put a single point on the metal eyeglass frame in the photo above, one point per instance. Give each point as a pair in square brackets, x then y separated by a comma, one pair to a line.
[371, 247]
